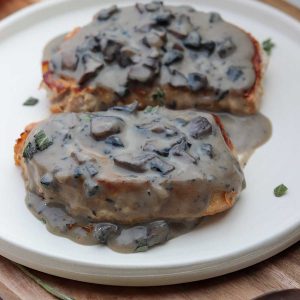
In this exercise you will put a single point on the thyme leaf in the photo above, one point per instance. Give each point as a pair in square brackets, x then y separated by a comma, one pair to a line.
[268, 45]
[280, 190]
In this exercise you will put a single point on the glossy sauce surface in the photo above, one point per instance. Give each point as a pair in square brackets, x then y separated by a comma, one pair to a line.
[80, 176]
[159, 45]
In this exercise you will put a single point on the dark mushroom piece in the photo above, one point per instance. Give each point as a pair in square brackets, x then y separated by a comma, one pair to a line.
[197, 82]
[114, 141]
[181, 26]
[92, 65]
[111, 50]
[154, 38]
[208, 47]
[193, 40]
[153, 146]
[199, 127]
[163, 18]
[135, 163]
[91, 169]
[104, 126]
[234, 73]
[172, 56]
[105, 14]
[226, 48]
[140, 73]
[103, 231]
[125, 57]
[161, 166]
[157, 233]
[215, 17]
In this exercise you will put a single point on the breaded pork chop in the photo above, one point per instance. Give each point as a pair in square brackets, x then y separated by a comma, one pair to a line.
[127, 167]
[157, 55]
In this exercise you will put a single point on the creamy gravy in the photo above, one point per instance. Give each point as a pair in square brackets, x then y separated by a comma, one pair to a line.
[247, 133]
[159, 45]
[125, 166]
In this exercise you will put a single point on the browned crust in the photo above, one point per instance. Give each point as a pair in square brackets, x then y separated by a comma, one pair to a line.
[219, 202]
[67, 95]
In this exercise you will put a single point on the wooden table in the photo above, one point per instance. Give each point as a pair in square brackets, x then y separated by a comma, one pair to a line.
[279, 272]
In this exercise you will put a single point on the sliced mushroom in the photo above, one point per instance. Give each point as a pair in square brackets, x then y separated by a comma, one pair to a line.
[209, 47]
[157, 147]
[172, 56]
[226, 48]
[140, 73]
[178, 79]
[157, 164]
[105, 14]
[199, 127]
[152, 63]
[114, 141]
[130, 108]
[234, 73]
[136, 163]
[197, 82]
[104, 126]
[193, 40]
[111, 49]
[157, 233]
[103, 231]
[181, 26]
[126, 55]
[90, 43]
[154, 38]
[163, 18]
[92, 65]
[215, 17]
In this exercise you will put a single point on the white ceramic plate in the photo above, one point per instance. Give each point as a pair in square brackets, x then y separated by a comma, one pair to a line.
[259, 226]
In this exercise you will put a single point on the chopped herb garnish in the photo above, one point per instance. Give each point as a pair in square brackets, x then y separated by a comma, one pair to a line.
[31, 101]
[159, 97]
[280, 190]
[42, 141]
[268, 45]
[150, 109]
[29, 151]
[86, 117]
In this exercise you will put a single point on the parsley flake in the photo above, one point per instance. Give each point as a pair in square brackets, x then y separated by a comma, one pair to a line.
[268, 45]
[280, 190]
[31, 101]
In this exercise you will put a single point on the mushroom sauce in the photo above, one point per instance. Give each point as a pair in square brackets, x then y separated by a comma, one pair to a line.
[158, 45]
[119, 176]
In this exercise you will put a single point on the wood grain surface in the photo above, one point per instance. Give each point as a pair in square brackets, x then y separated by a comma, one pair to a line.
[279, 272]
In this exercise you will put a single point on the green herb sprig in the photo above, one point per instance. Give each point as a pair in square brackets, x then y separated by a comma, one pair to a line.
[268, 46]
[280, 190]
[31, 101]
[159, 97]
